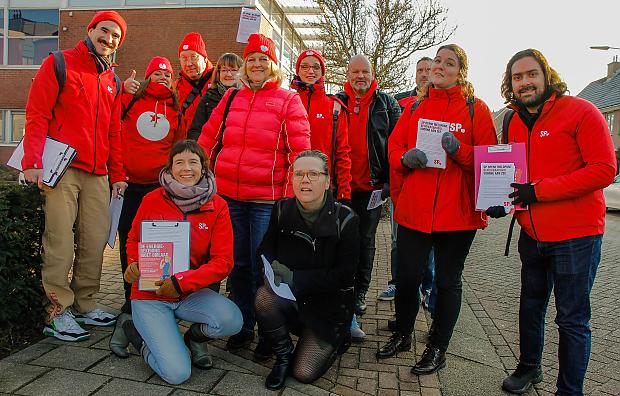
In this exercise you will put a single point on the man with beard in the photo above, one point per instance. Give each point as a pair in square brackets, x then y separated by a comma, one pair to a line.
[82, 110]
[422, 70]
[372, 117]
[196, 71]
[570, 160]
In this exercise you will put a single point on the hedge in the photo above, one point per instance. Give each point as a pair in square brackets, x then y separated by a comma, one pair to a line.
[21, 292]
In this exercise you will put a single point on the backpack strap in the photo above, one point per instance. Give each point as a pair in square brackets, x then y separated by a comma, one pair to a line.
[336, 113]
[60, 68]
[470, 103]
[414, 106]
[129, 106]
[195, 93]
[506, 123]
[227, 109]
[118, 82]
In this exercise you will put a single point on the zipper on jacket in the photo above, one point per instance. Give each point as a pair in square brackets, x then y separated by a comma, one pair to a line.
[309, 97]
[245, 125]
[96, 122]
[306, 238]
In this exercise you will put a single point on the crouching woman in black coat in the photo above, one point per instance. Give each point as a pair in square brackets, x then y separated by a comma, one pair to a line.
[313, 245]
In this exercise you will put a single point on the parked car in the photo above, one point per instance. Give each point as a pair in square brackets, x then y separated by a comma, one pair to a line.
[612, 194]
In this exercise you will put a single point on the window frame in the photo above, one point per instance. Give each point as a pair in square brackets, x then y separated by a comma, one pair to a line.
[6, 126]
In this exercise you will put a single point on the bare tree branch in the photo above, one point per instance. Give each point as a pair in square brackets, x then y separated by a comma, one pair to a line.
[388, 32]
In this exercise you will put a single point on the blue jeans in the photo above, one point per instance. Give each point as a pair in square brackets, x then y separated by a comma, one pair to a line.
[568, 268]
[156, 321]
[249, 223]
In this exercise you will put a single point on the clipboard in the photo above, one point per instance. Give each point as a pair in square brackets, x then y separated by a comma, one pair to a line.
[501, 153]
[57, 156]
[177, 232]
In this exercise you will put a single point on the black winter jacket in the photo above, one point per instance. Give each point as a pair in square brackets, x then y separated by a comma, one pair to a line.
[323, 261]
[207, 103]
[383, 114]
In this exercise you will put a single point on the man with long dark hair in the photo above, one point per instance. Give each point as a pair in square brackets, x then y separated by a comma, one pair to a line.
[570, 159]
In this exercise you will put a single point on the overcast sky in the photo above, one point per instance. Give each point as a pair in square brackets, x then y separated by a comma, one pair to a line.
[491, 31]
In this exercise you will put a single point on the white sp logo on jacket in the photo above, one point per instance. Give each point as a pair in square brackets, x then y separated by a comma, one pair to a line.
[456, 127]
[110, 89]
[203, 226]
[153, 127]
[544, 133]
[319, 115]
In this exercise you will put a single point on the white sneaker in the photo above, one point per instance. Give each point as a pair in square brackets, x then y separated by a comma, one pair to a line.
[357, 334]
[64, 327]
[96, 317]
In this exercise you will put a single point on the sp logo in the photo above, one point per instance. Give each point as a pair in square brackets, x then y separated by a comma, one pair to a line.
[264, 48]
[109, 89]
[203, 226]
[319, 115]
[544, 134]
[456, 127]
[185, 46]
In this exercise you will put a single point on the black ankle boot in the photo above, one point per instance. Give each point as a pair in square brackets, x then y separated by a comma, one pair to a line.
[283, 348]
[432, 360]
[133, 336]
[196, 341]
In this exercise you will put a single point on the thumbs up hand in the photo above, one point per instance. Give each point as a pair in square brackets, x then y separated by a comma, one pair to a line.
[131, 85]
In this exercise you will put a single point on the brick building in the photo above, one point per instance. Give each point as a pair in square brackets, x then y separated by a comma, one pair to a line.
[29, 30]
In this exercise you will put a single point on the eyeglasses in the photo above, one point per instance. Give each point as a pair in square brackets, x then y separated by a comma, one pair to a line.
[193, 58]
[231, 71]
[312, 175]
[316, 68]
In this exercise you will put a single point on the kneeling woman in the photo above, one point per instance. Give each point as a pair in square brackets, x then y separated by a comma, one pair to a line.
[313, 244]
[187, 192]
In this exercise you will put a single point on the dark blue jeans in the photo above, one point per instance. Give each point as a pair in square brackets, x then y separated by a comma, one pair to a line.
[568, 268]
[249, 222]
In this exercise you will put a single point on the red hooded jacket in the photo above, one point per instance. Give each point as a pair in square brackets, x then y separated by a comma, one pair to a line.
[85, 115]
[265, 130]
[570, 159]
[149, 131]
[320, 108]
[431, 199]
[211, 243]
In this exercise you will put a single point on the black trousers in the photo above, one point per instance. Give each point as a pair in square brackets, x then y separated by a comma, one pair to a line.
[451, 250]
[131, 202]
[369, 220]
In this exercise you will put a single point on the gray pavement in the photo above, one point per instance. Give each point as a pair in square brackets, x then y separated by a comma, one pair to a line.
[483, 349]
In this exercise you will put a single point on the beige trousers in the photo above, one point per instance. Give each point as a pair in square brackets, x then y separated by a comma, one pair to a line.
[76, 231]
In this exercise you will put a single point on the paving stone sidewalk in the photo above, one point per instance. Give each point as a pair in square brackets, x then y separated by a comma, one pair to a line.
[483, 347]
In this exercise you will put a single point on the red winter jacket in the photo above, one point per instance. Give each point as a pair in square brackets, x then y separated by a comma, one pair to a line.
[265, 130]
[433, 199]
[147, 139]
[85, 115]
[184, 88]
[211, 242]
[320, 108]
[570, 159]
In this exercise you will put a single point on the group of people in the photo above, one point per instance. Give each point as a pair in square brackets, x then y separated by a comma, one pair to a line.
[260, 171]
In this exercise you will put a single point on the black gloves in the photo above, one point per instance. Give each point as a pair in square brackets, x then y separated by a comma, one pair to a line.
[414, 158]
[281, 273]
[385, 191]
[524, 194]
[496, 212]
[450, 143]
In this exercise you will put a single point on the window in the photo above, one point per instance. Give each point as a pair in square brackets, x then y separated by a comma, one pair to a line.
[12, 124]
[29, 35]
[610, 121]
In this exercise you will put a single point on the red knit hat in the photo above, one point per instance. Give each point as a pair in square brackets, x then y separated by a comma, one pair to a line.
[263, 44]
[193, 42]
[310, 52]
[158, 63]
[109, 16]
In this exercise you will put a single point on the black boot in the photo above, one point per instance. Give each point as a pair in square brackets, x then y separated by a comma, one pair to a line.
[360, 303]
[196, 341]
[283, 348]
[118, 341]
[398, 343]
[522, 379]
[263, 350]
[133, 336]
[432, 360]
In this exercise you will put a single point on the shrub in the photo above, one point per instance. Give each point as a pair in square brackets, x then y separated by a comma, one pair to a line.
[21, 291]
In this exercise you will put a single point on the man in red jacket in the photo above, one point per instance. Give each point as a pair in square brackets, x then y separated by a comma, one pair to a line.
[570, 160]
[85, 114]
[196, 71]
[373, 115]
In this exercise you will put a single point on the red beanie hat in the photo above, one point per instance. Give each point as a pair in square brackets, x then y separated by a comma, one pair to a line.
[310, 52]
[109, 16]
[158, 63]
[193, 42]
[263, 44]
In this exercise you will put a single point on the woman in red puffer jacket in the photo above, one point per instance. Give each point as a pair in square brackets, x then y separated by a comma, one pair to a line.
[149, 130]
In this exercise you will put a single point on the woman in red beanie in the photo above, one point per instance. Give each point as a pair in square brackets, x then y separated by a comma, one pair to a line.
[252, 154]
[149, 129]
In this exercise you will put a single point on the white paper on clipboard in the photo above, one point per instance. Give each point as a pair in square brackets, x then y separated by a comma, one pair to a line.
[177, 232]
